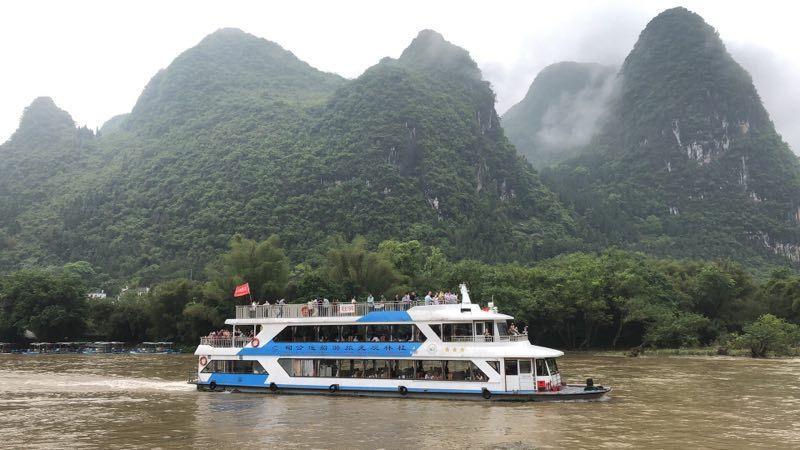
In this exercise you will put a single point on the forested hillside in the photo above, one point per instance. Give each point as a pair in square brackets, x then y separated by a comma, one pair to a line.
[239, 136]
[688, 163]
[561, 112]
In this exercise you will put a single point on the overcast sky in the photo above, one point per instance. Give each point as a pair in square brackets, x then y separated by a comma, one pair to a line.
[95, 57]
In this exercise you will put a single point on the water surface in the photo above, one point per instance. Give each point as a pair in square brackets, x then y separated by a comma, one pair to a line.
[101, 401]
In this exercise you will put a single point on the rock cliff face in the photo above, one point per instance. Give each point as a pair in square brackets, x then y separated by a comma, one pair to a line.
[688, 162]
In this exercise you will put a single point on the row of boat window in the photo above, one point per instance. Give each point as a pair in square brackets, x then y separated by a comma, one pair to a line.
[350, 333]
[400, 369]
[232, 366]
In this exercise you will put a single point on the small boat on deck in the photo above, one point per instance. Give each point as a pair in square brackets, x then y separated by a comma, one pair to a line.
[383, 349]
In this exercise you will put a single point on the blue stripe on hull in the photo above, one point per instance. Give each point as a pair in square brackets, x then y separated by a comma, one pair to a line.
[385, 316]
[238, 379]
[343, 349]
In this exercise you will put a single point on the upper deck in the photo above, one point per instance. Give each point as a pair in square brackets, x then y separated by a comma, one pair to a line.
[363, 311]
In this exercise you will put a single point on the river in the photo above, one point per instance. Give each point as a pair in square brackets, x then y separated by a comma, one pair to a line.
[58, 401]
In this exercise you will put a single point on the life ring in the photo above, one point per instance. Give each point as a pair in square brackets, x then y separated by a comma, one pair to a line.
[255, 342]
[403, 390]
[486, 393]
[203, 360]
[212, 386]
[333, 388]
[304, 311]
[273, 387]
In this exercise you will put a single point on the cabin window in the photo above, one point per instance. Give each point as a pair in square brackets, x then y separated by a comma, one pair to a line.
[351, 368]
[329, 333]
[429, 370]
[511, 367]
[379, 333]
[541, 368]
[437, 329]
[552, 366]
[494, 365]
[306, 333]
[285, 335]
[462, 329]
[502, 328]
[234, 366]
[405, 369]
[376, 368]
[327, 368]
[524, 366]
[353, 333]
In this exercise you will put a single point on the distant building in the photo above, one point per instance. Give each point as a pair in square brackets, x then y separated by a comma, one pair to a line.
[97, 294]
[138, 291]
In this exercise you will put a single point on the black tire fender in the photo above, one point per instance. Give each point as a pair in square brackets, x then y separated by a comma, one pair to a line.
[486, 393]
[273, 387]
[212, 386]
[403, 390]
[333, 388]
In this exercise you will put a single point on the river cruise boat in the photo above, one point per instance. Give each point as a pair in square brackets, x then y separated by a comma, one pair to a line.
[412, 350]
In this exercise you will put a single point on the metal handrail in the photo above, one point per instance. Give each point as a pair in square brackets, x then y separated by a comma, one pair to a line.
[312, 309]
[227, 342]
[484, 338]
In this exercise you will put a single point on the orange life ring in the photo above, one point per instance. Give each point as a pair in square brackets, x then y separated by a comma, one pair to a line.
[255, 342]
[304, 311]
[203, 360]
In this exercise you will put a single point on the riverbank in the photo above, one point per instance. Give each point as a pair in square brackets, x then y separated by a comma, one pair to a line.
[693, 351]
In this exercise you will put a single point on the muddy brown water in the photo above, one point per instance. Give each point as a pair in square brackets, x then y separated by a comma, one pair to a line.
[59, 401]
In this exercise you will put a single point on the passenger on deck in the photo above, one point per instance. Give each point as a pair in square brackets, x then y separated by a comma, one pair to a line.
[371, 302]
[428, 298]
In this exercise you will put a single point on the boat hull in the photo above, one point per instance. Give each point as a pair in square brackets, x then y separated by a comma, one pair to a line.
[568, 393]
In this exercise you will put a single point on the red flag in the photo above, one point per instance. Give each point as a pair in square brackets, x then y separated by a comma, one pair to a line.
[242, 290]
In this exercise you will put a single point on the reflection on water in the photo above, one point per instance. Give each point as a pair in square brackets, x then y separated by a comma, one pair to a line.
[99, 401]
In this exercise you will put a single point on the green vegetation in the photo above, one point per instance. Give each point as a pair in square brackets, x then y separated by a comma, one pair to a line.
[561, 112]
[687, 164]
[614, 299]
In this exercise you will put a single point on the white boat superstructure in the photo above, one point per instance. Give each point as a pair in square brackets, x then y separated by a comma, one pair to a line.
[401, 349]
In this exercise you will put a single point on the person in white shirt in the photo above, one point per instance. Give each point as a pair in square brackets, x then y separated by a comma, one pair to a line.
[428, 298]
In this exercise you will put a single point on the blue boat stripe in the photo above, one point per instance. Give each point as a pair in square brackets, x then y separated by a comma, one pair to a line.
[343, 349]
[385, 316]
[238, 379]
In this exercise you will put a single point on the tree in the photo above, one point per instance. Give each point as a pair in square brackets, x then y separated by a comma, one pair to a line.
[51, 304]
[360, 271]
[769, 334]
[263, 265]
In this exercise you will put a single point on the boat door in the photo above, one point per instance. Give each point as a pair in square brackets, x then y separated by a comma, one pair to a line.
[526, 375]
[512, 375]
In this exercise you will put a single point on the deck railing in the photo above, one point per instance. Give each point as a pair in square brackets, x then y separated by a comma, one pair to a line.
[292, 310]
[484, 338]
[226, 342]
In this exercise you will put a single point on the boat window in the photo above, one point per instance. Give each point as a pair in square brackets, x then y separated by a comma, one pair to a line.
[525, 366]
[351, 368]
[329, 333]
[502, 328]
[327, 368]
[494, 365]
[511, 367]
[285, 335]
[405, 369]
[551, 364]
[462, 329]
[354, 333]
[402, 333]
[482, 327]
[447, 332]
[458, 370]
[379, 333]
[376, 368]
[541, 368]
[229, 366]
[305, 333]
[417, 335]
[286, 365]
[429, 370]
[437, 329]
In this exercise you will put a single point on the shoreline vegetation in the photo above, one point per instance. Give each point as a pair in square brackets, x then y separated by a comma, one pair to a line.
[579, 301]
[690, 352]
